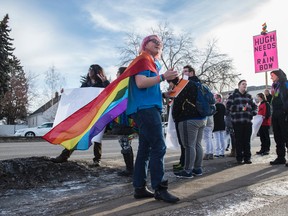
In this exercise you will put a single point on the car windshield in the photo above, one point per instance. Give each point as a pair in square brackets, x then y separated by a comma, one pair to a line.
[47, 125]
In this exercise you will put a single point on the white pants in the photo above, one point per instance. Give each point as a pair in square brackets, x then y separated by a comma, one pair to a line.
[207, 138]
[220, 141]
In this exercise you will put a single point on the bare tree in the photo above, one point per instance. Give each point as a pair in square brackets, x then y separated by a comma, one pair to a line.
[178, 50]
[130, 49]
[54, 82]
[15, 101]
[213, 67]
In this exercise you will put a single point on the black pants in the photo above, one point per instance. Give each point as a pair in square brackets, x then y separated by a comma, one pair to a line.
[265, 138]
[280, 130]
[182, 156]
[243, 133]
[97, 151]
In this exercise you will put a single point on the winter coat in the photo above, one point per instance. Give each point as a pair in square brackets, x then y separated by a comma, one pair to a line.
[184, 104]
[262, 111]
[219, 117]
[241, 107]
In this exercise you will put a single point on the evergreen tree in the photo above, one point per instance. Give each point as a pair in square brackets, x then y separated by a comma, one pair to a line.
[6, 51]
[13, 83]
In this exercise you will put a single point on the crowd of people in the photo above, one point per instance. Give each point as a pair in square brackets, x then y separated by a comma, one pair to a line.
[231, 125]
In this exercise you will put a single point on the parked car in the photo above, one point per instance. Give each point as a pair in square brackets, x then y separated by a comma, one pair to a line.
[35, 131]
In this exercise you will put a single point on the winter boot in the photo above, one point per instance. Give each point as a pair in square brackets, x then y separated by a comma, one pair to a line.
[129, 162]
[63, 157]
[161, 193]
[143, 192]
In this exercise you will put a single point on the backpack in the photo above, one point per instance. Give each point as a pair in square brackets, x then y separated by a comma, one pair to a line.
[205, 102]
[268, 111]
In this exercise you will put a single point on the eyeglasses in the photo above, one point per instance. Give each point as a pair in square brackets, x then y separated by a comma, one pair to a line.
[155, 41]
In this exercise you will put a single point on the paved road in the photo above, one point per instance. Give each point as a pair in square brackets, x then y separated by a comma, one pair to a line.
[224, 189]
[11, 150]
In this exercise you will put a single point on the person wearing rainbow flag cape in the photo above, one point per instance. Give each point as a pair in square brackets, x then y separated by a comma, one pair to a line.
[145, 106]
[143, 103]
[126, 128]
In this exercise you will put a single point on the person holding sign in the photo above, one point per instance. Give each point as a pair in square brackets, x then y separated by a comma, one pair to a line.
[280, 114]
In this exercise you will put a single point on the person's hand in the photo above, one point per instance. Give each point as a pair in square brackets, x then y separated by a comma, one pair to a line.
[170, 74]
[102, 77]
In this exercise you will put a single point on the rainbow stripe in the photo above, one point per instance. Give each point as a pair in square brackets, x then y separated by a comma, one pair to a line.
[76, 131]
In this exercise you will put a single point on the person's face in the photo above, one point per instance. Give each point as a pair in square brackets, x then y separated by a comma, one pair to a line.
[274, 78]
[154, 46]
[243, 86]
[91, 74]
[187, 72]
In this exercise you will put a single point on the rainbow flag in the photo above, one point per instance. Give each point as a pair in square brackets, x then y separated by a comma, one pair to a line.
[77, 130]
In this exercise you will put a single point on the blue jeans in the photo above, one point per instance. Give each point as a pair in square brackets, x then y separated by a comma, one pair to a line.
[151, 149]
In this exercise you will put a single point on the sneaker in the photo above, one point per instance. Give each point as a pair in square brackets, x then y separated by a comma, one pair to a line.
[197, 172]
[184, 174]
[278, 161]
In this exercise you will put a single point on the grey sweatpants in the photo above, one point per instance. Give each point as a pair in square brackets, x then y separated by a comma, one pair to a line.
[191, 133]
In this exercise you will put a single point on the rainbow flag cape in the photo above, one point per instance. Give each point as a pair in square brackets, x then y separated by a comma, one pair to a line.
[78, 129]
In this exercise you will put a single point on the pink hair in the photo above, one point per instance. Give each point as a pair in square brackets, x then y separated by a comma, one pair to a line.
[144, 43]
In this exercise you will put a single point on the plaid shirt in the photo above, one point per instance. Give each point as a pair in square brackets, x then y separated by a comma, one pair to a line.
[241, 107]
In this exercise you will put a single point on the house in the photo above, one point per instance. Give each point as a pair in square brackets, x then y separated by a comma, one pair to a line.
[45, 113]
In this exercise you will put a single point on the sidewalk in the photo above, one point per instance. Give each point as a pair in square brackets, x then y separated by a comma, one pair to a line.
[224, 189]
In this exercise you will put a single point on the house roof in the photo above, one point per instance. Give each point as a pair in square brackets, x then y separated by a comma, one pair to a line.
[47, 105]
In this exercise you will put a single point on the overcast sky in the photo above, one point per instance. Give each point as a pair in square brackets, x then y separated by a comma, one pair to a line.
[73, 34]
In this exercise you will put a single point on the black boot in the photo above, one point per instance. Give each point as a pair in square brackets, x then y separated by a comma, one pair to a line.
[63, 157]
[161, 193]
[97, 153]
[129, 162]
[143, 192]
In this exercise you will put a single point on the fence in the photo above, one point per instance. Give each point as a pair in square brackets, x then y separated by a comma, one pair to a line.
[9, 130]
